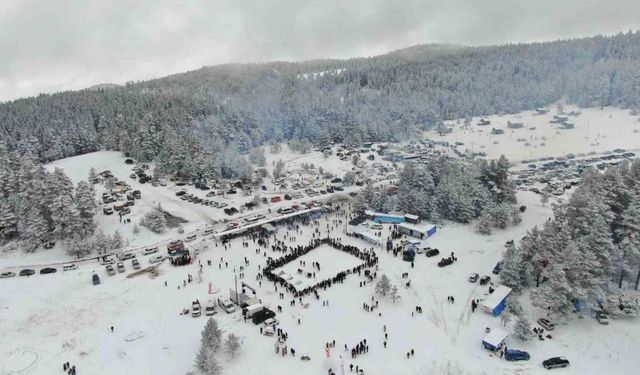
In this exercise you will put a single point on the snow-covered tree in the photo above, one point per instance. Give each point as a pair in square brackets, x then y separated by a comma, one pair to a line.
[206, 363]
[154, 220]
[211, 335]
[349, 179]
[232, 345]
[86, 208]
[278, 169]
[383, 286]
[522, 329]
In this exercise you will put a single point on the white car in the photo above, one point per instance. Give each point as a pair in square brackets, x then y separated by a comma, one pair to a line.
[376, 226]
[110, 270]
[226, 305]
[106, 260]
[70, 267]
[6, 275]
[195, 309]
[135, 264]
[208, 231]
[156, 259]
[271, 322]
[150, 250]
[210, 309]
[190, 238]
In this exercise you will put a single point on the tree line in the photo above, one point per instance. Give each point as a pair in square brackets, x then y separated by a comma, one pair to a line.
[200, 122]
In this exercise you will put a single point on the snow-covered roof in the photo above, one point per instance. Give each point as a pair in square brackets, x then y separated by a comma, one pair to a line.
[495, 337]
[412, 217]
[373, 213]
[424, 228]
[494, 299]
[360, 230]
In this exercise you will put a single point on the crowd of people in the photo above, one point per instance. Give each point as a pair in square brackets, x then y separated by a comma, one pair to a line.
[369, 260]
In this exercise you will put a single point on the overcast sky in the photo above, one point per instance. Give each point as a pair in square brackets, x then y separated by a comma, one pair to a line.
[53, 45]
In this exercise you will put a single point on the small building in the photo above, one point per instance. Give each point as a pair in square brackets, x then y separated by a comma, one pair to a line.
[496, 302]
[413, 219]
[484, 122]
[383, 218]
[515, 125]
[422, 232]
[494, 339]
[496, 131]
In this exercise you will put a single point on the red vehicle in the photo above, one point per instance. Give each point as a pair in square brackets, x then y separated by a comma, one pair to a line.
[275, 199]
[174, 246]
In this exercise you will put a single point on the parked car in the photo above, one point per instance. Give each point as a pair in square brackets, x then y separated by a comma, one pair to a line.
[135, 264]
[190, 238]
[150, 250]
[70, 267]
[125, 256]
[516, 355]
[602, 318]
[156, 259]
[95, 279]
[120, 267]
[497, 268]
[555, 362]
[27, 272]
[445, 262]
[473, 277]
[110, 270]
[7, 274]
[107, 259]
[180, 193]
[48, 270]
[226, 305]
[107, 210]
[485, 280]
[210, 309]
[196, 311]
[271, 322]
[376, 226]
[432, 252]
[546, 324]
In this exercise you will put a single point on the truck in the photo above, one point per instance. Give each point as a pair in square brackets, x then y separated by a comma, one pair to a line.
[250, 310]
[175, 246]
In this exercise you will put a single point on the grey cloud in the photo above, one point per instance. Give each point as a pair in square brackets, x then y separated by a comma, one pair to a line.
[52, 45]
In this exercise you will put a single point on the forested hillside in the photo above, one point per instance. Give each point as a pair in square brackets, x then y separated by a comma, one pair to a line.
[185, 120]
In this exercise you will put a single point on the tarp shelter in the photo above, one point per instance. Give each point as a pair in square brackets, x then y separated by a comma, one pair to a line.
[422, 232]
[494, 339]
[362, 233]
[413, 219]
[496, 302]
[383, 218]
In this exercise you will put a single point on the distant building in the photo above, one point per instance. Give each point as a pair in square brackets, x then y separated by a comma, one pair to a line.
[497, 131]
[422, 232]
[381, 218]
[496, 301]
[515, 125]
[484, 122]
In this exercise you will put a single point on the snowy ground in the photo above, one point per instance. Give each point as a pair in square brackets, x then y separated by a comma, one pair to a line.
[48, 319]
[45, 323]
[595, 130]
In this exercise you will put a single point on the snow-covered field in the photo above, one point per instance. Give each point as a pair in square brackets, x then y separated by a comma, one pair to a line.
[595, 130]
[49, 319]
[46, 320]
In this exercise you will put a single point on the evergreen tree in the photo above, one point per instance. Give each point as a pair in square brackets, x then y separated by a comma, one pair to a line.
[86, 208]
[383, 286]
[232, 344]
[522, 329]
